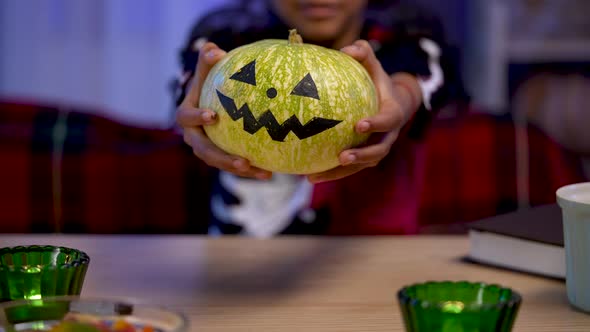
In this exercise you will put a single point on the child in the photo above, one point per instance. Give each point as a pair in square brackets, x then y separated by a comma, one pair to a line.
[402, 57]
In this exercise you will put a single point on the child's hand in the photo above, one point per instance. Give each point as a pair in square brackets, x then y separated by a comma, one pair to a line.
[395, 108]
[191, 119]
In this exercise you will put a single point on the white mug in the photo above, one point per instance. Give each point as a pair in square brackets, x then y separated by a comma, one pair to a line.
[574, 201]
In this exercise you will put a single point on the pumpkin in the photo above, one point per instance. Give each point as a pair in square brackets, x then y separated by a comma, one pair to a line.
[287, 106]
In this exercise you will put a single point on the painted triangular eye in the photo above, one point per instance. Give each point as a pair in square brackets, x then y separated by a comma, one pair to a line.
[246, 74]
[306, 88]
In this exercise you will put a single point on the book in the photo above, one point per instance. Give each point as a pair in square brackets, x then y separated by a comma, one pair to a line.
[529, 241]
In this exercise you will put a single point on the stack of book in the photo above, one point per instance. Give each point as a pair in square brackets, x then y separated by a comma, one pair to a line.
[528, 241]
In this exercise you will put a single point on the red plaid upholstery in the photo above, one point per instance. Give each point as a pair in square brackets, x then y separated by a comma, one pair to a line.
[16, 161]
[464, 170]
[122, 179]
[471, 169]
[115, 178]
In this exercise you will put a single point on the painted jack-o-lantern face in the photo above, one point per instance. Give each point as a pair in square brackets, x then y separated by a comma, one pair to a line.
[305, 88]
[287, 107]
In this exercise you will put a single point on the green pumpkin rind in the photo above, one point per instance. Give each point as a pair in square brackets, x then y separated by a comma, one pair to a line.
[346, 92]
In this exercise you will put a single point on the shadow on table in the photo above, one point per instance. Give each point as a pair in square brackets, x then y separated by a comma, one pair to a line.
[254, 270]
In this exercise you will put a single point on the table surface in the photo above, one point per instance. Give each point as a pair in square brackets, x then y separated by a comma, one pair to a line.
[296, 283]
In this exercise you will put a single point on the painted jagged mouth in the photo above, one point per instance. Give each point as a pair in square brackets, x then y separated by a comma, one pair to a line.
[277, 131]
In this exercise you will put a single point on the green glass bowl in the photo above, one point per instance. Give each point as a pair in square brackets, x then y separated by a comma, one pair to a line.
[458, 306]
[42, 315]
[32, 272]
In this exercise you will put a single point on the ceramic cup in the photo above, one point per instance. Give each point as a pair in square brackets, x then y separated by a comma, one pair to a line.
[574, 201]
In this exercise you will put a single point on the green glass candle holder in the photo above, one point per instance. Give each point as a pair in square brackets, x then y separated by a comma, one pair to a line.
[33, 272]
[461, 306]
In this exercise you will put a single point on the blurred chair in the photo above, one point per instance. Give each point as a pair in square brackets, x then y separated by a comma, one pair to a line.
[69, 171]
[467, 167]
[475, 169]
[65, 170]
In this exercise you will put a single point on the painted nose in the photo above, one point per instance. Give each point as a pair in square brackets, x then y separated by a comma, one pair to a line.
[271, 93]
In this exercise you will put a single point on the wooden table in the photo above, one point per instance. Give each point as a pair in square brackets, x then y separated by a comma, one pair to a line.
[296, 284]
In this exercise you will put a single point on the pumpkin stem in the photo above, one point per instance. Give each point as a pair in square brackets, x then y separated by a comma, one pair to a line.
[294, 37]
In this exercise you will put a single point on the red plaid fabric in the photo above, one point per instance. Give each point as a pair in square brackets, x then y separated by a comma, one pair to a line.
[472, 169]
[464, 170]
[114, 178]
[15, 168]
[121, 179]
